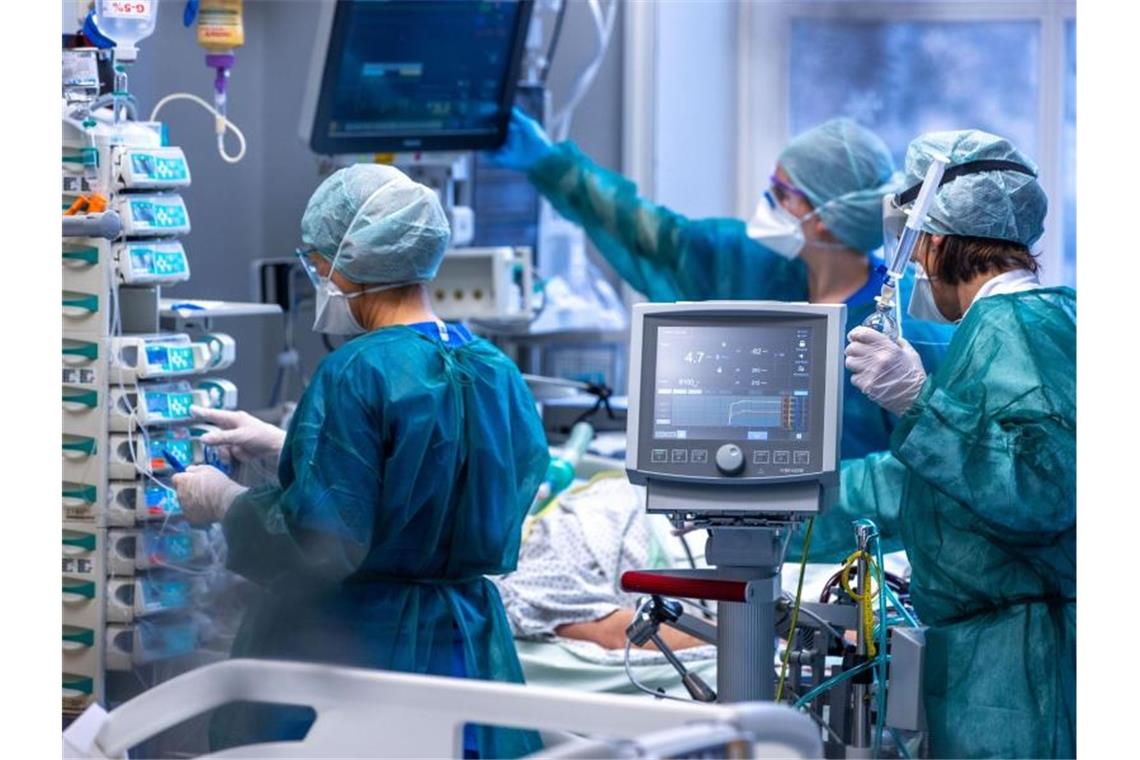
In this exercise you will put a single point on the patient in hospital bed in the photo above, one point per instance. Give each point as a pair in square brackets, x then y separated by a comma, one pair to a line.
[565, 604]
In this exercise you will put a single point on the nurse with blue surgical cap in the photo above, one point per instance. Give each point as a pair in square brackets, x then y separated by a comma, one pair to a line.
[404, 477]
[980, 485]
[812, 237]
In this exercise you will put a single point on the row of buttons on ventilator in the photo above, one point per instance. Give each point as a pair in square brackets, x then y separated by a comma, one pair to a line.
[781, 457]
[680, 456]
[701, 456]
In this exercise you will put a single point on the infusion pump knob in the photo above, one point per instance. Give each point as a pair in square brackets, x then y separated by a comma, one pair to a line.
[730, 459]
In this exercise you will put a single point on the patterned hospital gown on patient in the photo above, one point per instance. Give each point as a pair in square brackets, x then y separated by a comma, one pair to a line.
[571, 562]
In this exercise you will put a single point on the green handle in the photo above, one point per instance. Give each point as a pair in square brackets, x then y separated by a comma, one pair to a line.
[86, 255]
[81, 541]
[84, 492]
[89, 399]
[79, 683]
[83, 636]
[86, 302]
[86, 350]
[85, 156]
[82, 588]
[83, 446]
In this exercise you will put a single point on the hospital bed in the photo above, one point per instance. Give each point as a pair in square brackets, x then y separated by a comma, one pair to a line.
[584, 666]
[369, 713]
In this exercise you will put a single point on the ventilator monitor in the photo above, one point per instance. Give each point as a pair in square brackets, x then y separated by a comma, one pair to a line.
[735, 407]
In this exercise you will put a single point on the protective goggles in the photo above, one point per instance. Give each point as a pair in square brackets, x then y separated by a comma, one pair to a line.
[303, 254]
[781, 190]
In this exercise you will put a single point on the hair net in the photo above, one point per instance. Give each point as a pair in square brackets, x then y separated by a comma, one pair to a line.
[388, 228]
[1002, 205]
[844, 170]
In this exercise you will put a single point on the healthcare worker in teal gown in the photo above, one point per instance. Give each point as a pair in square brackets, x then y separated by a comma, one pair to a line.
[980, 484]
[811, 238]
[405, 474]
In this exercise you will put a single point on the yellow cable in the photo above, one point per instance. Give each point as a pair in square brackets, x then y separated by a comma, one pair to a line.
[865, 595]
[795, 612]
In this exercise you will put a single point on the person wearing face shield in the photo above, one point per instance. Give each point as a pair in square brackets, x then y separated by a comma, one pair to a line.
[408, 467]
[811, 238]
[981, 486]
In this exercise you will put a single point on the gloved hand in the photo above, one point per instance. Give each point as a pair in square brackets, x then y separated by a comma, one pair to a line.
[242, 437]
[889, 373]
[205, 493]
[527, 144]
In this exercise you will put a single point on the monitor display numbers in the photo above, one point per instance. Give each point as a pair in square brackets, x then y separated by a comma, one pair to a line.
[746, 383]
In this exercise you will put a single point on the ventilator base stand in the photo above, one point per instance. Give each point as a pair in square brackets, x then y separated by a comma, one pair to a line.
[745, 583]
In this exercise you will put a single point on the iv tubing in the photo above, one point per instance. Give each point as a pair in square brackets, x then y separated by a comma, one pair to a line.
[221, 123]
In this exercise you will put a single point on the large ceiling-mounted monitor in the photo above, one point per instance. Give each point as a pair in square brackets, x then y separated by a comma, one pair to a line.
[413, 75]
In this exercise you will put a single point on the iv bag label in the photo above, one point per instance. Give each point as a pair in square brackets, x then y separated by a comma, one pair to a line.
[78, 566]
[80, 69]
[140, 9]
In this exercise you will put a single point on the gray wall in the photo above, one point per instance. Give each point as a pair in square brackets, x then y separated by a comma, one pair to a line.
[250, 210]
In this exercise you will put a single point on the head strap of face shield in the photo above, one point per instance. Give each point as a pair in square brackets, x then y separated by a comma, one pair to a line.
[970, 167]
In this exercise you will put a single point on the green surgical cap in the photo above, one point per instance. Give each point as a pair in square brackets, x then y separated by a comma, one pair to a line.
[389, 229]
[844, 170]
[1002, 205]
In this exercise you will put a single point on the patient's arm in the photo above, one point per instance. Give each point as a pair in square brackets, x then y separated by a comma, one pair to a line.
[609, 632]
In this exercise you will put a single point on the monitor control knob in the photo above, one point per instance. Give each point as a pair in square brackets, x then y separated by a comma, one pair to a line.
[730, 459]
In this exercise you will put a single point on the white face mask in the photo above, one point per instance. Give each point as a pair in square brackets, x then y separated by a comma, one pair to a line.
[334, 316]
[922, 305]
[776, 228]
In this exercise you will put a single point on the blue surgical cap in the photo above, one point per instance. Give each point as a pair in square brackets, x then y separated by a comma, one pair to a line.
[1002, 205]
[388, 229]
[844, 170]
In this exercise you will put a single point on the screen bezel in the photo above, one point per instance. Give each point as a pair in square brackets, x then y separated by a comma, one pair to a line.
[320, 142]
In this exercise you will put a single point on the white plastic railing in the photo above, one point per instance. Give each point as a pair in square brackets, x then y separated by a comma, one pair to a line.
[369, 713]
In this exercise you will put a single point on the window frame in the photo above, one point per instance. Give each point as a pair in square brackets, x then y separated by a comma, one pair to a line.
[763, 123]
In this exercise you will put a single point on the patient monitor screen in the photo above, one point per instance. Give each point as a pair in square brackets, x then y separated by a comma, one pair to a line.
[402, 72]
[758, 384]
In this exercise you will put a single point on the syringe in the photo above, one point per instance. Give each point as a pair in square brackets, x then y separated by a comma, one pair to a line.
[883, 318]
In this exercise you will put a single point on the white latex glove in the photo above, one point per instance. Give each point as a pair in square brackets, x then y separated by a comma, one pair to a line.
[205, 493]
[242, 436]
[889, 373]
